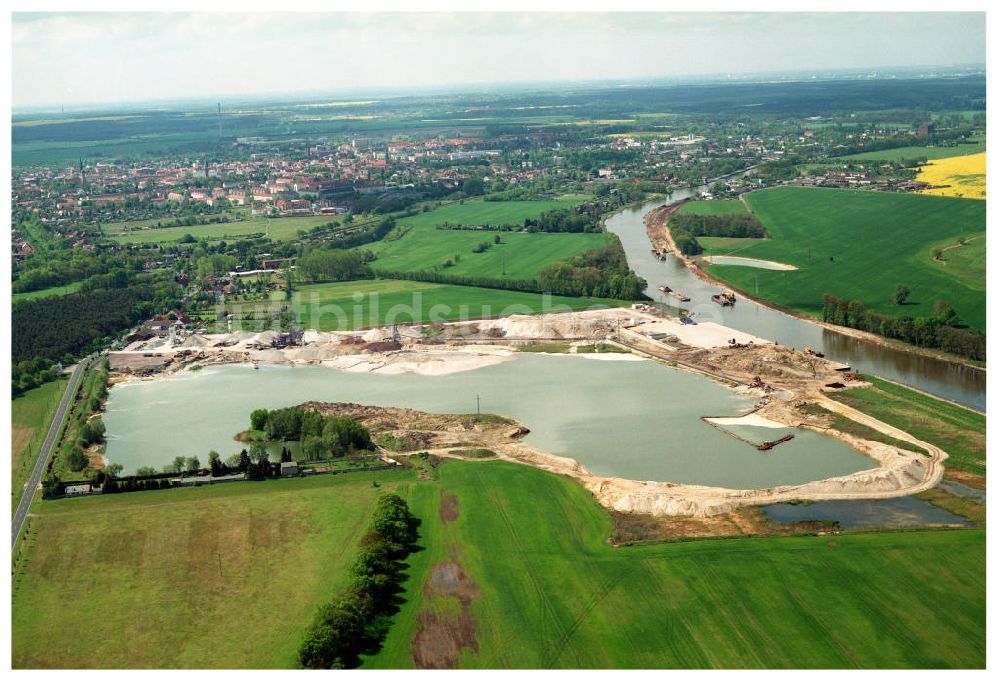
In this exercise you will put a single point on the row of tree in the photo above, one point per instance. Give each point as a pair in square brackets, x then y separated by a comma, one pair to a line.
[85, 427]
[937, 331]
[564, 220]
[333, 265]
[686, 229]
[362, 237]
[356, 621]
[318, 433]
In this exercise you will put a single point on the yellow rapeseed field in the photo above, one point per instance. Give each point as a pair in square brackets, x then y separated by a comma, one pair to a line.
[965, 176]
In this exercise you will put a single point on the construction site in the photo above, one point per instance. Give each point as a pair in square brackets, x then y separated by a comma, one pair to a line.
[783, 382]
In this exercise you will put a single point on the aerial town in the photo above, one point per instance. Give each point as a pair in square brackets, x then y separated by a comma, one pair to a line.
[585, 373]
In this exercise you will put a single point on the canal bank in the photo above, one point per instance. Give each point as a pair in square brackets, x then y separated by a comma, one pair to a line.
[954, 381]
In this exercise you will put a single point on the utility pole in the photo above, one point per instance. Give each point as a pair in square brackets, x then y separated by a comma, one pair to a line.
[477, 407]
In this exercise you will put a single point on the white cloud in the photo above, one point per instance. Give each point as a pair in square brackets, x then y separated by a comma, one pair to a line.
[98, 57]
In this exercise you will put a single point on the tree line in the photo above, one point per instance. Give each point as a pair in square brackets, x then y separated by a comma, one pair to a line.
[937, 331]
[334, 265]
[360, 238]
[564, 220]
[357, 620]
[686, 229]
[437, 277]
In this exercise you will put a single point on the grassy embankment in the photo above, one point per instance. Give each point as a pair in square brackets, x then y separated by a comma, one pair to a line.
[514, 572]
[368, 303]
[423, 247]
[860, 245]
[87, 403]
[958, 431]
[30, 416]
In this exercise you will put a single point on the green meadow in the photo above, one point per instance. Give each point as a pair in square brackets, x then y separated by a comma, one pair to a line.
[43, 293]
[513, 571]
[519, 255]
[278, 229]
[860, 245]
[713, 207]
[956, 430]
[369, 303]
[904, 153]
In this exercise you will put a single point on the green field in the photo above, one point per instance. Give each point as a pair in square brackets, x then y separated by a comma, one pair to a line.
[370, 303]
[517, 256]
[903, 153]
[726, 245]
[713, 207]
[860, 245]
[227, 576]
[958, 431]
[30, 416]
[43, 293]
[279, 229]
[230, 576]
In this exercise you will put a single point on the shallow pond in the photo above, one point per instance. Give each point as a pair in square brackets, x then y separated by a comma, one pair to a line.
[618, 415]
[899, 512]
[747, 262]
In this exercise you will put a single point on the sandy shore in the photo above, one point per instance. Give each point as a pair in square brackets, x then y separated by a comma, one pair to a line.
[775, 265]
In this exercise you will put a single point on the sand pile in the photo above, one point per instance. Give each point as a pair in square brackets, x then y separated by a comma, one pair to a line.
[426, 362]
[586, 325]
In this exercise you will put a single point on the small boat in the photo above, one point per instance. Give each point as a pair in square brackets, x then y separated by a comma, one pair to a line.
[768, 444]
[726, 298]
[676, 294]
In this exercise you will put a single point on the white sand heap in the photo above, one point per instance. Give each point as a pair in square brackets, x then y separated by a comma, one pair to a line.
[752, 419]
[425, 362]
[701, 335]
[579, 325]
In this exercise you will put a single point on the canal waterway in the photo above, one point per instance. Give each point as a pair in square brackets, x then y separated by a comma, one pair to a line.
[962, 384]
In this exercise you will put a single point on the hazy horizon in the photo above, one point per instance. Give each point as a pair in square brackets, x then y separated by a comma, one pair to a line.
[80, 59]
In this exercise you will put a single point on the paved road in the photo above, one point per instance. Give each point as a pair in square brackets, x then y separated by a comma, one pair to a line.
[17, 523]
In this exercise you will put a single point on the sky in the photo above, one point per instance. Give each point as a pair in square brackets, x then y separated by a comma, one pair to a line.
[73, 59]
